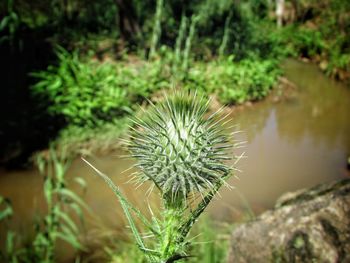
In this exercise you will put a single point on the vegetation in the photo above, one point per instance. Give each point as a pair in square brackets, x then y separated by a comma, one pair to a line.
[81, 91]
[206, 246]
[89, 93]
[234, 83]
[320, 32]
[57, 224]
[76, 73]
[183, 155]
[110, 59]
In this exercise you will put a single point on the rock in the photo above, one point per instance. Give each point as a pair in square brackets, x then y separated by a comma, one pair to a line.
[323, 65]
[308, 226]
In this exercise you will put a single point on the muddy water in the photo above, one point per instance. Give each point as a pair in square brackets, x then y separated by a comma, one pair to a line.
[296, 142]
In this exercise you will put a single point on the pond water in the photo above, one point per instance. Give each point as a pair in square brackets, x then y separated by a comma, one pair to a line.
[292, 143]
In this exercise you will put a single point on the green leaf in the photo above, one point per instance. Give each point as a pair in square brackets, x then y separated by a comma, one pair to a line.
[82, 182]
[7, 211]
[74, 197]
[71, 239]
[4, 22]
[70, 223]
[10, 242]
[126, 205]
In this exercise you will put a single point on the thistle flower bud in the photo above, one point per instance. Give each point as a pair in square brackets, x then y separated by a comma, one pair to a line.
[179, 149]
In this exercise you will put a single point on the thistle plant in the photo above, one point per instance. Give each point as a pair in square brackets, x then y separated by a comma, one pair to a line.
[183, 153]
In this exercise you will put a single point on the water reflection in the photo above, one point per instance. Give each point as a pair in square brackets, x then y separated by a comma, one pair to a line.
[321, 113]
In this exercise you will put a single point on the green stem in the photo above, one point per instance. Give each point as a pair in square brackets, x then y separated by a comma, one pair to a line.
[189, 40]
[225, 37]
[172, 220]
[179, 40]
[186, 227]
[156, 28]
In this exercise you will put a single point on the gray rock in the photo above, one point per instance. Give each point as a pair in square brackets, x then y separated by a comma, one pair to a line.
[308, 226]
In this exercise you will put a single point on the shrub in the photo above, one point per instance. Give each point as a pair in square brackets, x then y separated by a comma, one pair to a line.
[88, 92]
[82, 91]
[235, 82]
[247, 80]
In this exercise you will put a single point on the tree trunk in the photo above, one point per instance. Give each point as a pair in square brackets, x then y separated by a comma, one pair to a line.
[128, 25]
[279, 12]
[295, 4]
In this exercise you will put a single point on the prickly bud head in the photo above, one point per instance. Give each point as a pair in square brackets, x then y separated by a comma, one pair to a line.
[179, 149]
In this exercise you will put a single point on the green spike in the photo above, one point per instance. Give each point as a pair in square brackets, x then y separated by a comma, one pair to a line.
[186, 142]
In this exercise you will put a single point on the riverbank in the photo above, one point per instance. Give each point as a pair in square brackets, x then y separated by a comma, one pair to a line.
[226, 50]
[95, 127]
[317, 32]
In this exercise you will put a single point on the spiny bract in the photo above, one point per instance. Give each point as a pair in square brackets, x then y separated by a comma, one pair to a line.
[179, 149]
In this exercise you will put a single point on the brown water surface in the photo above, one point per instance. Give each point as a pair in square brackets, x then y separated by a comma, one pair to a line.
[295, 143]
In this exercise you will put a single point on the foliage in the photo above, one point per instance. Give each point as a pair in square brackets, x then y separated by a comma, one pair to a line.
[248, 80]
[188, 43]
[10, 23]
[89, 93]
[298, 42]
[320, 34]
[338, 62]
[183, 155]
[126, 253]
[225, 37]
[89, 90]
[81, 91]
[234, 83]
[80, 15]
[69, 22]
[95, 96]
[156, 28]
[10, 254]
[6, 208]
[210, 244]
[57, 224]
